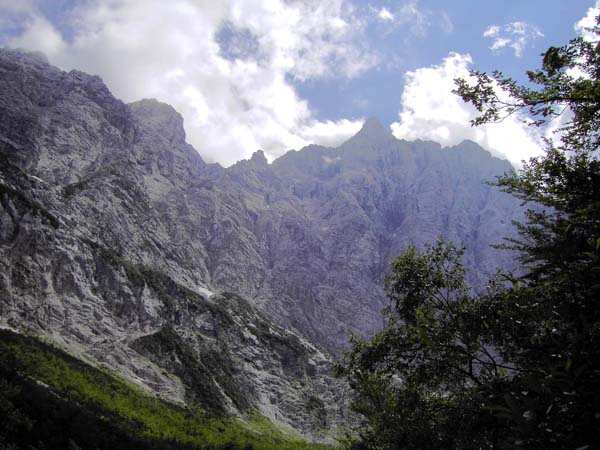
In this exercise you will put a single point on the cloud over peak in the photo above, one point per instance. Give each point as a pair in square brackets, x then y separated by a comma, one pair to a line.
[226, 66]
[429, 111]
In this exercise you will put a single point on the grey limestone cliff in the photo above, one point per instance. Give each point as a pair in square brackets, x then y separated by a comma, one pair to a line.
[117, 240]
[102, 250]
[314, 231]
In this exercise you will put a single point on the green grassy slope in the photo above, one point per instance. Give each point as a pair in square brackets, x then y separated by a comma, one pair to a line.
[51, 400]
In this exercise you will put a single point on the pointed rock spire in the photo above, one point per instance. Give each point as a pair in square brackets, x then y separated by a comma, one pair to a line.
[373, 126]
[258, 158]
[372, 134]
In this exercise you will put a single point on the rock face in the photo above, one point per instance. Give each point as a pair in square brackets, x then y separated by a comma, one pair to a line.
[103, 250]
[114, 234]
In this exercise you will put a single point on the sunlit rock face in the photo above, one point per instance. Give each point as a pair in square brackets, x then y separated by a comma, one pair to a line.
[114, 234]
[313, 233]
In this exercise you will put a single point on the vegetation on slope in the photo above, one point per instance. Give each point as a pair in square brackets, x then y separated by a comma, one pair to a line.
[168, 350]
[51, 400]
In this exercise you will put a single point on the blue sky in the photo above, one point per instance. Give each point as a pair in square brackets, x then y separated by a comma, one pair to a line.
[275, 75]
[470, 19]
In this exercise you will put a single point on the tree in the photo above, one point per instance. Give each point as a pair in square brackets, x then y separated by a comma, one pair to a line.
[419, 380]
[518, 366]
[567, 83]
[550, 317]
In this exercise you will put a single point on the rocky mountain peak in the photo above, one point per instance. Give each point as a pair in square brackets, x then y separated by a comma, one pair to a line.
[372, 135]
[373, 127]
[162, 117]
[473, 157]
[113, 230]
[12, 60]
[258, 158]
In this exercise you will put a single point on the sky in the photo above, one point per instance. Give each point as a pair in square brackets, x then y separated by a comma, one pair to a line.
[281, 74]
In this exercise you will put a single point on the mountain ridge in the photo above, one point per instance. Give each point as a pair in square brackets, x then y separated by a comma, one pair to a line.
[112, 228]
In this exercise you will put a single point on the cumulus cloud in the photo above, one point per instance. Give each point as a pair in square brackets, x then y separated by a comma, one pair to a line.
[226, 66]
[515, 35]
[430, 111]
[330, 133]
[582, 26]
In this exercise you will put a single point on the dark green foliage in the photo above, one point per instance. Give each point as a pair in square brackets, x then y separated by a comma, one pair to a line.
[569, 77]
[419, 380]
[50, 400]
[12, 421]
[517, 367]
[548, 320]
[32, 416]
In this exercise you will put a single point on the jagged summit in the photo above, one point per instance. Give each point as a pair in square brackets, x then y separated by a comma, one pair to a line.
[476, 156]
[373, 126]
[112, 229]
[154, 108]
[372, 134]
[161, 116]
[258, 157]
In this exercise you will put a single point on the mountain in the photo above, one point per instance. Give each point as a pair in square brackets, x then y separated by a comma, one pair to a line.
[100, 253]
[224, 287]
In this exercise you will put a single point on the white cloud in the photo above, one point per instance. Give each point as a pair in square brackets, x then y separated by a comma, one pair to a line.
[500, 43]
[331, 133]
[417, 19]
[40, 34]
[492, 31]
[13, 13]
[408, 16]
[515, 35]
[385, 14]
[583, 25]
[430, 111]
[226, 66]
